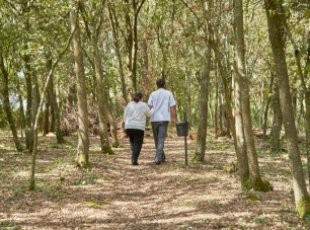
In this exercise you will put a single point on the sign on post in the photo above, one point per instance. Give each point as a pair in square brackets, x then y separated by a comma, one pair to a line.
[182, 131]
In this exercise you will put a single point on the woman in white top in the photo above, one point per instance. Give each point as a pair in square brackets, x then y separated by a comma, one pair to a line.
[135, 119]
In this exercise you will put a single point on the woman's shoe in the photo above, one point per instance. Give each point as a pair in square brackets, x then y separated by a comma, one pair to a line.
[134, 163]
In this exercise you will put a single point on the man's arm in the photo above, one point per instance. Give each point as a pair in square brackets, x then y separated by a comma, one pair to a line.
[150, 106]
[173, 115]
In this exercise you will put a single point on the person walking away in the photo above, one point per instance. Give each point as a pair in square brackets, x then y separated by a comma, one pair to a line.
[135, 119]
[162, 101]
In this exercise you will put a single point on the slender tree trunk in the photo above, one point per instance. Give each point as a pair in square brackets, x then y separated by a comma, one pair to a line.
[216, 105]
[35, 98]
[307, 99]
[267, 107]
[27, 73]
[275, 25]
[277, 117]
[29, 136]
[262, 102]
[177, 106]
[203, 118]
[21, 110]
[255, 179]
[241, 147]
[221, 114]
[46, 116]
[53, 101]
[7, 106]
[83, 140]
[204, 88]
[53, 117]
[35, 127]
[117, 50]
[102, 100]
[299, 109]
[210, 107]
[71, 88]
[187, 95]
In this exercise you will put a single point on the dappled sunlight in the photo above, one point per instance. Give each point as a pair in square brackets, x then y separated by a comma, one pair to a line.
[114, 193]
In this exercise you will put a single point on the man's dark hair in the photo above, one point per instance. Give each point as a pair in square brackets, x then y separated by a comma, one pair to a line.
[160, 83]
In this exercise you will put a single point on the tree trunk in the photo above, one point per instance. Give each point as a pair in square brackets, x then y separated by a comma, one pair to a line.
[203, 118]
[71, 88]
[27, 73]
[204, 88]
[267, 107]
[114, 26]
[7, 106]
[299, 109]
[255, 179]
[83, 140]
[187, 96]
[302, 199]
[21, 110]
[216, 105]
[177, 107]
[29, 135]
[53, 119]
[242, 157]
[46, 116]
[221, 114]
[35, 98]
[102, 100]
[262, 102]
[53, 101]
[277, 117]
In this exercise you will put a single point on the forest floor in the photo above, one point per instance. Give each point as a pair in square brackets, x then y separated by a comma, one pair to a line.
[116, 195]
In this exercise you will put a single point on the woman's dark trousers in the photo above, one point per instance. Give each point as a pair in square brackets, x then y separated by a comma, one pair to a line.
[136, 140]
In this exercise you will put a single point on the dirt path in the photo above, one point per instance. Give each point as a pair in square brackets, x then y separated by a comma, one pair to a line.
[116, 195]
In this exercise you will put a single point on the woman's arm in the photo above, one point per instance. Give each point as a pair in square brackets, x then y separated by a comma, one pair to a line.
[125, 114]
[148, 112]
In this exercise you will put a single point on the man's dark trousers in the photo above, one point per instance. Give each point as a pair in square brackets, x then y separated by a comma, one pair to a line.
[136, 140]
[160, 132]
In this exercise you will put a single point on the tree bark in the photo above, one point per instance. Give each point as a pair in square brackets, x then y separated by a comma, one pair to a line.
[267, 107]
[21, 109]
[216, 105]
[35, 127]
[35, 98]
[275, 25]
[83, 139]
[46, 115]
[204, 92]
[71, 88]
[255, 180]
[299, 109]
[203, 118]
[53, 101]
[102, 99]
[114, 26]
[53, 117]
[177, 106]
[277, 117]
[103, 104]
[7, 106]
[241, 147]
[27, 74]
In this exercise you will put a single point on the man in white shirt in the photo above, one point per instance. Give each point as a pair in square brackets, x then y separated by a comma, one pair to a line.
[163, 103]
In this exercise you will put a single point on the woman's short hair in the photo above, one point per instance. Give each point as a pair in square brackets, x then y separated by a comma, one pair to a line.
[138, 97]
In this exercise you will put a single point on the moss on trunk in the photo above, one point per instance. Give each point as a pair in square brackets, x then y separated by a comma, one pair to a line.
[107, 150]
[260, 185]
[245, 181]
[83, 160]
[303, 206]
